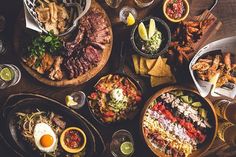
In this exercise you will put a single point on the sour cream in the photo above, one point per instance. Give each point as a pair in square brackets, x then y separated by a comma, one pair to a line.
[117, 94]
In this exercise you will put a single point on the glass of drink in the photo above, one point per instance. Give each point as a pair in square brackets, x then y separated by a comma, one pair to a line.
[122, 144]
[10, 75]
[76, 100]
[143, 3]
[124, 13]
[113, 3]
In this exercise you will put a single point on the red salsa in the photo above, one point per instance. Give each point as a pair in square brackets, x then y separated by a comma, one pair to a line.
[73, 139]
[175, 9]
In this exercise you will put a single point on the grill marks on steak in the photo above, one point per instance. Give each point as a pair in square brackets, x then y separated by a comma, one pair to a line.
[84, 53]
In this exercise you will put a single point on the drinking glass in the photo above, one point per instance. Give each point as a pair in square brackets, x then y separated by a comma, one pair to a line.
[80, 98]
[120, 138]
[143, 3]
[124, 12]
[113, 3]
[13, 74]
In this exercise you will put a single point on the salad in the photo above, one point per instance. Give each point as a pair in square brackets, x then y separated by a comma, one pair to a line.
[176, 123]
[114, 98]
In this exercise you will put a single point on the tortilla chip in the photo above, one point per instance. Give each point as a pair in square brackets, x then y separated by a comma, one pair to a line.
[156, 81]
[142, 66]
[136, 63]
[151, 62]
[160, 68]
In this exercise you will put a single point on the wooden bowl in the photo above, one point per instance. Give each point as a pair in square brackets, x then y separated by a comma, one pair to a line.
[186, 4]
[211, 114]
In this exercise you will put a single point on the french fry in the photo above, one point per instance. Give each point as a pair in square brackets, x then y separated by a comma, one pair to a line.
[136, 59]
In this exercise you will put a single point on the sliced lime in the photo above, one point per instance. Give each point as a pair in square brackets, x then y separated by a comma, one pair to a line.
[6, 74]
[152, 28]
[70, 101]
[48, 39]
[142, 31]
[127, 148]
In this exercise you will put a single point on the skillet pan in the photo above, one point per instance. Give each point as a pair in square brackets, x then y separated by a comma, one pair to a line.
[12, 99]
[15, 139]
[121, 72]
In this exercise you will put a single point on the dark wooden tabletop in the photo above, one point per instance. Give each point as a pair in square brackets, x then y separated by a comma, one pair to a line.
[225, 11]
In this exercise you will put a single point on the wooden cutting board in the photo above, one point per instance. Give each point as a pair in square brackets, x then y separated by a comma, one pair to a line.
[211, 29]
[19, 33]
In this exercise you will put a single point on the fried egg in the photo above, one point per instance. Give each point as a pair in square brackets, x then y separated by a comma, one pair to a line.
[45, 138]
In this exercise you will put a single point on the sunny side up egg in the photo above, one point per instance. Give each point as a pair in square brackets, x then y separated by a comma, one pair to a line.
[45, 138]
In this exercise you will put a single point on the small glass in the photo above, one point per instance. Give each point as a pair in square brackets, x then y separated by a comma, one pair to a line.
[113, 3]
[80, 98]
[143, 3]
[124, 12]
[118, 138]
[15, 73]
[3, 47]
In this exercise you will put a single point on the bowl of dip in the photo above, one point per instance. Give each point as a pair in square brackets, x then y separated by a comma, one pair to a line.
[176, 10]
[157, 39]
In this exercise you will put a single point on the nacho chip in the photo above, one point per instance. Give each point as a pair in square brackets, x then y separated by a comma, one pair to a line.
[142, 66]
[160, 68]
[156, 81]
[136, 63]
[150, 63]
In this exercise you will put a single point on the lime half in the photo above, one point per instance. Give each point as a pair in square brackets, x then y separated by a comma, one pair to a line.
[127, 148]
[142, 31]
[6, 74]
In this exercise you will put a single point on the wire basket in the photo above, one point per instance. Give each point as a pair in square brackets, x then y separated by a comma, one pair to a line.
[75, 8]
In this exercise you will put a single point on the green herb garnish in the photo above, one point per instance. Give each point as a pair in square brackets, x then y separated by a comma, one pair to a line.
[45, 43]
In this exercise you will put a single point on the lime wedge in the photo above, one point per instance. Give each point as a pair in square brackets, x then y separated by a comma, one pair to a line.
[6, 74]
[130, 20]
[142, 31]
[70, 101]
[152, 28]
[127, 148]
[213, 81]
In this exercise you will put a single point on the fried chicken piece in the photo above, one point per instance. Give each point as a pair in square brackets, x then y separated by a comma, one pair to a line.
[231, 78]
[30, 61]
[55, 72]
[201, 66]
[46, 63]
[227, 61]
[221, 81]
[213, 69]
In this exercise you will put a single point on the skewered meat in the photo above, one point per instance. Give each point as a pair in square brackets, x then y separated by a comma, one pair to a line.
[55, 72]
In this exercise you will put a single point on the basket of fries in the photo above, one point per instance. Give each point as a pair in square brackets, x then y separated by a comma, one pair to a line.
[58, 16]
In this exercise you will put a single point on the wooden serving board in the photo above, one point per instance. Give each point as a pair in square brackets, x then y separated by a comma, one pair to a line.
[210, 30]
[64, 82]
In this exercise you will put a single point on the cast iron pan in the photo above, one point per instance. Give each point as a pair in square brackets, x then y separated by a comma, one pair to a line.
[121, 72]
[13, 136]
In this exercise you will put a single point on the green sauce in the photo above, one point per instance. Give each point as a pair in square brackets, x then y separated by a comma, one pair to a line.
[154, 43]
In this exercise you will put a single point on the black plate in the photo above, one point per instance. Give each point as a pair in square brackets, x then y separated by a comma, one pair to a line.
[15, 140]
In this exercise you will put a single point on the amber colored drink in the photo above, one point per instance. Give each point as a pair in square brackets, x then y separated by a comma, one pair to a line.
[226, 109]
[227, 133]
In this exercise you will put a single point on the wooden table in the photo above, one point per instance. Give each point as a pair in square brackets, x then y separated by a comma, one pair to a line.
[225, 11]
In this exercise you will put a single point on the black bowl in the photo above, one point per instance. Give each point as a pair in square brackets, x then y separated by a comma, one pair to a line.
[166, 37]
